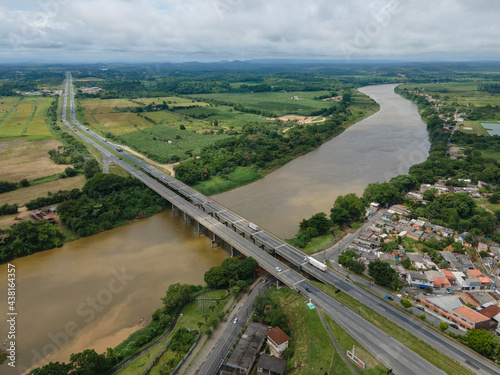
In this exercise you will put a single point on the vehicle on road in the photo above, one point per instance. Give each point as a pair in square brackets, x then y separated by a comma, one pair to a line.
[315, 263]
[453, 325]
[235, 320]
[420, 308]
[119, 149]
[390, 298]
[278, 269]
[253, 226]
[308, 290]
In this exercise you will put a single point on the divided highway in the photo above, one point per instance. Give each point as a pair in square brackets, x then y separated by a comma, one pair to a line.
[234, 230]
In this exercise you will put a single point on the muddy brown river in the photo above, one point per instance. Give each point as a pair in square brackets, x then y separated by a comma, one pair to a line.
[94, 292]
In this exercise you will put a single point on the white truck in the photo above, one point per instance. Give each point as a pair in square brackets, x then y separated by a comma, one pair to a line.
[253, 226]
[316, 263]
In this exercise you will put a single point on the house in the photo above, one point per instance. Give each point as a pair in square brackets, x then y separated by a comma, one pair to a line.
[491, 312]
[416, 235]
[482, 247]
[441, 284]
[244, 355]
[417, 224]
[277, 341]
[469, 318]
[418, 279]
[401, 210]
[270, 365]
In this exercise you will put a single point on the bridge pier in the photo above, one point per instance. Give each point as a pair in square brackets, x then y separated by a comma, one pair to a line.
[216, 240]
[175, 210]
[234, 252]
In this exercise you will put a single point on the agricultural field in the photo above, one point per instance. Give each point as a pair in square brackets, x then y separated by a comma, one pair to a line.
[30, 160]
[463, 93]
[168, 145]
[25, 118]
[23, 195]
[172, 101]
[175, 120]
[279, 103]
[472, 127]
[226, 116]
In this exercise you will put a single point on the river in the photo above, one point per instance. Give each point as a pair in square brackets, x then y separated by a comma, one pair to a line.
[105, 286]
[375, 149]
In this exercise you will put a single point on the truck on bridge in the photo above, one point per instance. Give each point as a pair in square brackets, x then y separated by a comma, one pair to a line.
[316, 263]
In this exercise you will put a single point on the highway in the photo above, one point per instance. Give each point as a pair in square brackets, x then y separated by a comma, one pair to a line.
[235, 231]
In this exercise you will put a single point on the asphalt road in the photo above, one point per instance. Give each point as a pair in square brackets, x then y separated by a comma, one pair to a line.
[236, 232]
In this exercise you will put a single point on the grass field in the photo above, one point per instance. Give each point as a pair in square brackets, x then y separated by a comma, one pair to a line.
[464, 93]
[279, 103]
[28, 160]
[318, 243]
[24, 118]
[172, 101]
[215, 185]
[224, 114]
[166, 145]
[472, 127]
[418, 346]
[493, 207]
[23, 195]
[314, 350]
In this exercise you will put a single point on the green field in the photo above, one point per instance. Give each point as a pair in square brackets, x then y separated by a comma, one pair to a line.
[25, 118]
[215, 184]
[279, 103]
[154, 142]
[224, 114]
[463, 93]
[172, 101]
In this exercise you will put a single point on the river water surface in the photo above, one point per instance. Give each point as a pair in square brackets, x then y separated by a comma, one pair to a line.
[375, 149]
[104, 286]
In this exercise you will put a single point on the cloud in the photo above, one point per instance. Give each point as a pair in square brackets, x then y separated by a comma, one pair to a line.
[237, 29]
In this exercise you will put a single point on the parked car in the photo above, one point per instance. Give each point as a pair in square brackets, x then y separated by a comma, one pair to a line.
[420, 308]
[453, 325]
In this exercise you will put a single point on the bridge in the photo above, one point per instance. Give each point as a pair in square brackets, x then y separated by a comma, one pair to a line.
[223, 225]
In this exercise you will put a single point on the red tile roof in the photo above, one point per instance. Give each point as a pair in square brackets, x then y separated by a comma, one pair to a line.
[474, 273]
[490, 311]
[441, 282]
[277, 336]
[484, 280]
[470, 314]
[448, 274]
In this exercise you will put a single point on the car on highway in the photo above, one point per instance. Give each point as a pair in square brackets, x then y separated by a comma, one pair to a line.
[235, 320]
[453, 325]
[119, 149]
[308, 290]
[390, 298]
[420, 308]
[278, 269]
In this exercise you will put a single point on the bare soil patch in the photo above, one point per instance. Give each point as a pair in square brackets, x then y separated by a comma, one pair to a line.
[28, 160]
[23, 195]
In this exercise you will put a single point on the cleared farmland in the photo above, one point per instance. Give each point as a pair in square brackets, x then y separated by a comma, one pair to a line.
[167, 145]
[279, 103]
[172, 101]
[28, 160]
[25, 117]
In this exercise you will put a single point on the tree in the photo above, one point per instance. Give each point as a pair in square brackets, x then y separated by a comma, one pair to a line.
[177, 295]
[405, 303]
[24, 183]
[423, 317]
[215, 278]
[90, 168]
[443, 326]
[70, 172]
[382, 193]
[89, 362]
[182, 127]
[347, 208]
[458, 247]
[53, 368]
[430, 195]
[406, 262]
[318, 221]
[383, 274]
[480, 341]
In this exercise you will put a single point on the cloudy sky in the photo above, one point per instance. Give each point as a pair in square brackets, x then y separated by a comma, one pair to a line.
[212, 30]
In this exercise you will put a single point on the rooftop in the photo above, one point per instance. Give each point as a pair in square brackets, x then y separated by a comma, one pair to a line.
[248, 347]
[277, 336]
[271, 363]
[490, 311]
[470, 314]
[448, 303]
[441, 282]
